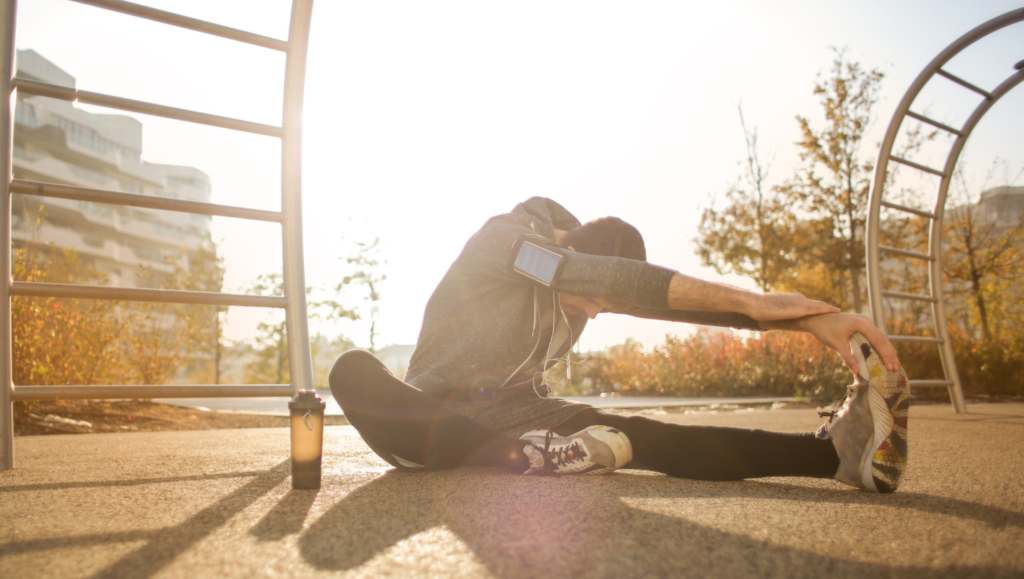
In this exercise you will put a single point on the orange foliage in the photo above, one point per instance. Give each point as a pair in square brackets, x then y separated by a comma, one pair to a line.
[725, 364]
[709, 364]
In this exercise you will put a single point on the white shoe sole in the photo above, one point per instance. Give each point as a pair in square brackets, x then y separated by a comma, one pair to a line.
[617, 441]
[884, 460]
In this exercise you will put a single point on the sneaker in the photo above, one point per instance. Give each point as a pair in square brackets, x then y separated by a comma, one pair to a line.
[593, 450]
[869, 430]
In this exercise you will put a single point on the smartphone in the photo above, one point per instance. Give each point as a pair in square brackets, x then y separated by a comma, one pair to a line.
[535, 262]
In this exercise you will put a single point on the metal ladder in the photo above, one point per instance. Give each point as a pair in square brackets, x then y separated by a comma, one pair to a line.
[290, 217]
[876, 294]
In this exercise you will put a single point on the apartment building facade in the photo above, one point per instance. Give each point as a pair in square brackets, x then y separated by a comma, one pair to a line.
[56, 142]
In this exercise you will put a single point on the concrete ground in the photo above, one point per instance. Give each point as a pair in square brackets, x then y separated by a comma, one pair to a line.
[219, 503]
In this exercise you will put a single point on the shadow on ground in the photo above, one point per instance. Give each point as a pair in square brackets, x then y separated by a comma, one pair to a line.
[587, 526]
[219, 503]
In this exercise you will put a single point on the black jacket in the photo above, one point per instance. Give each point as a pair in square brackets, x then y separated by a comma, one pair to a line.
[488, 329]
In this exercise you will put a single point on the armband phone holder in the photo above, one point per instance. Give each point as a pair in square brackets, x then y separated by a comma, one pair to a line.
[535, 262]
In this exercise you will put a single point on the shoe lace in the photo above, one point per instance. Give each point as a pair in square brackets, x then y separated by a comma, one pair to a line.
[836, 407]
[560, 456]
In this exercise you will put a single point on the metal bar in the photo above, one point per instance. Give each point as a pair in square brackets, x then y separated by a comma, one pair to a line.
[906, 209]
[8, 16]
[185, 22]
[917, 339]
[930, 383]
[300, 359]
[904, 296]
[905, 253]
[933, 123]
[964, 83]
[96, 292]
[872, 226]
[94, 98]
[956, 392]
[164, 391]
[136, 200]
[918, 166]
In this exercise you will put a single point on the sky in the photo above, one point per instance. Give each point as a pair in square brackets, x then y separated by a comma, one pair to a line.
[423, 119]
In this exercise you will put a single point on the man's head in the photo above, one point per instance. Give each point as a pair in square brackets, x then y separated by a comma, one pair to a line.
[609, 236]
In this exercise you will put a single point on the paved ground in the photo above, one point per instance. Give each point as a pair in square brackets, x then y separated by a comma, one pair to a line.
[219, 503]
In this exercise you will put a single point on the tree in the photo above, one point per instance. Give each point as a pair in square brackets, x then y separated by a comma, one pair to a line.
[75, 341]
[755, 233]
[271, 344]
[985, 251]
[270, 364]
[61, 341]
[365, 257]
[205, 324]
[834, 183]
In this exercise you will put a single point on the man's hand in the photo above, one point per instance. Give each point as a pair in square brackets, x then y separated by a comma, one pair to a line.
[835, 330]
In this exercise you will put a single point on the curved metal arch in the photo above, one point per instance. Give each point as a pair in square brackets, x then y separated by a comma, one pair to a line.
[300, 360]
[874, 250]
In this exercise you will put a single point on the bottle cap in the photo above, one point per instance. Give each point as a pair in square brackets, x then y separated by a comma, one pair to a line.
[307, 400]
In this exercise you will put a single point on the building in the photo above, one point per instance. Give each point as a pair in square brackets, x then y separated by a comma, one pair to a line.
[987, 221]
[55, 142]
[1003, 206]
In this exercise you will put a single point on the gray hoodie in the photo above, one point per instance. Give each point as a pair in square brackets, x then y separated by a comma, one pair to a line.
[489, 333]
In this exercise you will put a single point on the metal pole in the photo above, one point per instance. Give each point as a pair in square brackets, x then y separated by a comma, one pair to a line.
[299, 358]
[881, 168]
[115, 102]
[164, 17]
[956, 392]
[8, 14]
[873, 250]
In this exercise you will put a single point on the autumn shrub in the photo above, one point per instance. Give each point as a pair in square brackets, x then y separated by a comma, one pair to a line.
[722, 364]
[66, 341]
[61, 341]
[712, 363]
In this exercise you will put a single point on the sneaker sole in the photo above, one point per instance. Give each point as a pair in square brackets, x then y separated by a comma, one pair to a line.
[884, 461]
[617, 441]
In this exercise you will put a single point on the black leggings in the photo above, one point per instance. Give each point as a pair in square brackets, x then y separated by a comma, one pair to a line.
[399, 420]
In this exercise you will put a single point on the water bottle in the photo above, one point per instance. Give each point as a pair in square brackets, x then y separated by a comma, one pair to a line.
[307, 412]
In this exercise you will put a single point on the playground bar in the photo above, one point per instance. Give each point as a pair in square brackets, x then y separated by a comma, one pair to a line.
[132, 392]
[8, 13]
[114, 102]
[933, 123]
[136, 200]
[906, 209]
[905, 253]
[180, 21]
[906, 296]
[99, 292]
[917, 166]
[916, 339]
[964, 83]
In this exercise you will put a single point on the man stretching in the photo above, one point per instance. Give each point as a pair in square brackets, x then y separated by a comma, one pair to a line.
[516, 300]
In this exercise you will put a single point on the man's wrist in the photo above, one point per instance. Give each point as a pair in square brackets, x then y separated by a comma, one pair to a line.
[792, 325]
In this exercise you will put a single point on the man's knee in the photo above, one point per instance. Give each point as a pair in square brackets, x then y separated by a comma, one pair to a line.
[353, 369]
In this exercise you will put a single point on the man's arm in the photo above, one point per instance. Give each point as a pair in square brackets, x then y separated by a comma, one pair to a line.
[783, 312]
[690, 293]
